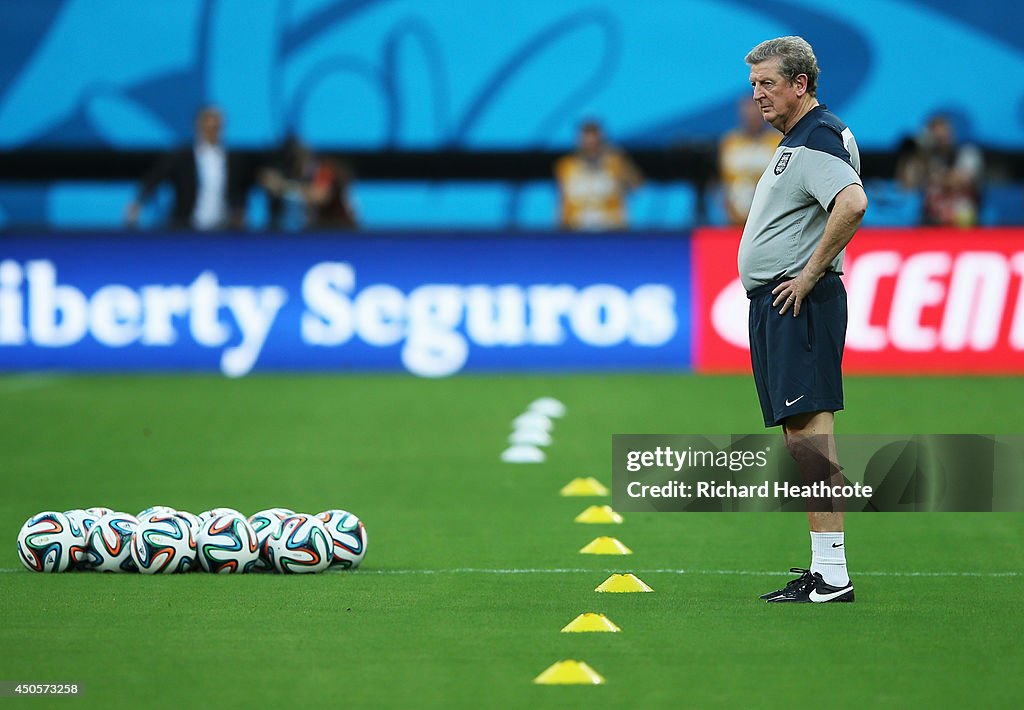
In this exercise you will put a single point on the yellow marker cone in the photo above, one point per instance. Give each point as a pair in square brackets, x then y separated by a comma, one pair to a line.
[605, 546]
[590, 621]
[569, 673]
[623, 583]
[599, 514]
[584, 487]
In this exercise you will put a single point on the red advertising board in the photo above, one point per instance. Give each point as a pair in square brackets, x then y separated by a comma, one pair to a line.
[920, 301]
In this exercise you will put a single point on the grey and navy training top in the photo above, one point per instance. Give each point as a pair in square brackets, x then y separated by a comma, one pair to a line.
[815, 160]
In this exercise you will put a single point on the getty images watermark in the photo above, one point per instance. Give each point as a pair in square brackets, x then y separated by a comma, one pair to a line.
[758, 473]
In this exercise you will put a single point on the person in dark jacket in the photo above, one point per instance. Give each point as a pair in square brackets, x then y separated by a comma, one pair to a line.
[208, 181]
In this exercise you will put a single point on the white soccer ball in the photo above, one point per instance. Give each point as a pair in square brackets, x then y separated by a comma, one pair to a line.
[163, 545]
[48, 542]
[227, 544]
[154, 511]
[99, 511]
[215, 512]
[81, 519]
[193, 520]
[81, 523]
[261, 519]
[264, 523]
[301, 545]
[108, 545]
[194, 523]
[348, 535]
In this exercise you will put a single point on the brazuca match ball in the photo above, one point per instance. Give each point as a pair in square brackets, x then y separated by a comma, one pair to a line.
[99, 511]
[214, 512]
[227, 544]
[264, 523]
[48, 542]
[163, 545]
[194, 523]
[154, 511]
[82, 519]
[81, 523]
[301, 545]
[160, 511]
[108, 545]
[348, 535]
[193, 520]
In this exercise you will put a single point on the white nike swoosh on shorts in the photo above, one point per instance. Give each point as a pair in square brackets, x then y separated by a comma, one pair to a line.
[815, 597]
[790, 404]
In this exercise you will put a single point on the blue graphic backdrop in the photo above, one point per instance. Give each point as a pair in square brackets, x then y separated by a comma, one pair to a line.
[367, 74]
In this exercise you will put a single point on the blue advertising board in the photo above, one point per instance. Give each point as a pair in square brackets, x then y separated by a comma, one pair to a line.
[431, 304]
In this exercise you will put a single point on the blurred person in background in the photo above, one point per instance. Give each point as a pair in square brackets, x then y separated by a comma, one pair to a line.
[306, 191]
[948, 173]
[208, 181]
[593, 183]
[743, 154]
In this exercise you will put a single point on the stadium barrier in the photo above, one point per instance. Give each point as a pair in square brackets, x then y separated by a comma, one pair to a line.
[435, 304]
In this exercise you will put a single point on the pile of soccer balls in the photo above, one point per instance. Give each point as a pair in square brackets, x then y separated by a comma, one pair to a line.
[162, 540]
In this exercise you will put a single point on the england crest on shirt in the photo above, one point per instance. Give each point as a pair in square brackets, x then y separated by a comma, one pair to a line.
[783, 162]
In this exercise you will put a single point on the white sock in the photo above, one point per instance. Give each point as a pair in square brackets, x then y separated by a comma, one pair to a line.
[828, 557]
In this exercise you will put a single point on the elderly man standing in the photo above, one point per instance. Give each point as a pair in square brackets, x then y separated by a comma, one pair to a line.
[806, 208]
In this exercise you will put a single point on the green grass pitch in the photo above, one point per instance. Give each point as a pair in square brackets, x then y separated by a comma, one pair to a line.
[443, 612]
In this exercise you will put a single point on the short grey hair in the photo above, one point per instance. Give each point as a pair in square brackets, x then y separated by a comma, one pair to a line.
[795, 57]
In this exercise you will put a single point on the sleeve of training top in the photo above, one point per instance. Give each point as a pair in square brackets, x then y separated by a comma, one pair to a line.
[828, 167]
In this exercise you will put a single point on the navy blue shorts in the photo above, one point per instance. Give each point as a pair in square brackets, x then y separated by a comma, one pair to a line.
[797, 362]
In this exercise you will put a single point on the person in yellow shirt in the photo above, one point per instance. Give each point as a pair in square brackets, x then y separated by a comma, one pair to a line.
[593, 183]
[743, 154]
